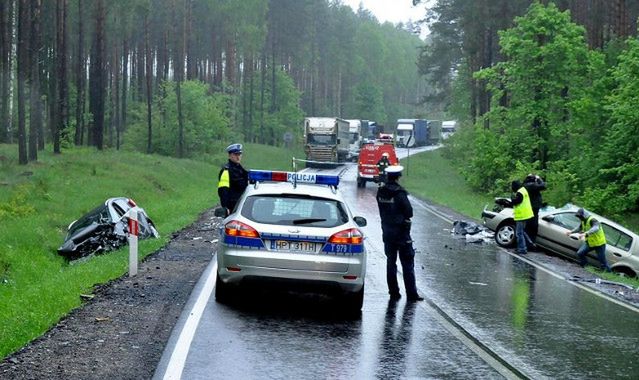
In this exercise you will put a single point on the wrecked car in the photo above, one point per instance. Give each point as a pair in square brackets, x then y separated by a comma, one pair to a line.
[622, 245]
[104, 229]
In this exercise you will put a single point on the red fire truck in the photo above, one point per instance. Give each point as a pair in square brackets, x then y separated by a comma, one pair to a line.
[369, 156]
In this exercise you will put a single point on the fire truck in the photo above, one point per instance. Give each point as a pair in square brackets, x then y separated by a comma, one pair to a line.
[369, 156]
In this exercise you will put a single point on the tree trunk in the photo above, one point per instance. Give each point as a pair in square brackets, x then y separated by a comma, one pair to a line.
[96, 101]
[115, 90]
[217, 53]
[36, 91]
[79, 74]
[149, 93]
[6, 36]
[161, 52]
[191, 72]
[251, 85]
[179, 74]
[262, 96]
[61, 69]
[23, 69]
[125, 78]
[140, 77]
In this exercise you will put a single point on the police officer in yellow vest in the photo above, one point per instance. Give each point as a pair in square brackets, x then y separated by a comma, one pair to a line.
[594, 238]
[233, 179]
[522, 213]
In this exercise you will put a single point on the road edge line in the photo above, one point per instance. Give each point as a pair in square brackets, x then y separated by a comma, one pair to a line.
[183, 336]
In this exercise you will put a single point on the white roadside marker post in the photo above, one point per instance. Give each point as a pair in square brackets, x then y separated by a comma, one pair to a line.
[133, 241]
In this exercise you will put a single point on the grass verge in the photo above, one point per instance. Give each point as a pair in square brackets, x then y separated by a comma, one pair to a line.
[39, 200]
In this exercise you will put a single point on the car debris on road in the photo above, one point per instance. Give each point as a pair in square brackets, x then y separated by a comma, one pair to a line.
[472, 232]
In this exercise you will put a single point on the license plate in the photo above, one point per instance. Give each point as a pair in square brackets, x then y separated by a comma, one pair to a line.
[294, 246]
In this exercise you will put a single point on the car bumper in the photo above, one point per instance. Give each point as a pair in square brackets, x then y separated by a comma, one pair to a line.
[237, 265]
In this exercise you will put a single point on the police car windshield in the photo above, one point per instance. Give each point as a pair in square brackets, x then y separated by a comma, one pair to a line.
[289, 210]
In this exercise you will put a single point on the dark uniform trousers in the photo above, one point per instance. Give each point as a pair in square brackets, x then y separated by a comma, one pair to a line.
[406, 253]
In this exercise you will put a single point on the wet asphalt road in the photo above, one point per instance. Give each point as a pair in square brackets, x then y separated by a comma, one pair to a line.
[539, 324]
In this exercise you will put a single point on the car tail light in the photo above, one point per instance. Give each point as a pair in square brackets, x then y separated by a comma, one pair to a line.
[350, 236]
[131, 202]
[236, 228]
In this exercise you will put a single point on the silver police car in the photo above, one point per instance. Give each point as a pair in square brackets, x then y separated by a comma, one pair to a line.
[293, 229]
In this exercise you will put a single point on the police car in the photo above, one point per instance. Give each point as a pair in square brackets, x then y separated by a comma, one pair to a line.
[293, 229]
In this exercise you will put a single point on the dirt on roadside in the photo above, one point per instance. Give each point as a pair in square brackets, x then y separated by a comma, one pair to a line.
[121, 332]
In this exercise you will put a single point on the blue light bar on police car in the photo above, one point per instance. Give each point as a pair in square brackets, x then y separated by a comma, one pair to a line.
[292, 177]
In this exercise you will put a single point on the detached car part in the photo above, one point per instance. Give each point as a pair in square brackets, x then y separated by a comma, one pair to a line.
[104, 229]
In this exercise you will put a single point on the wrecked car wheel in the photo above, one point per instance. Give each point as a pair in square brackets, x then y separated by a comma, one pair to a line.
[505, 235]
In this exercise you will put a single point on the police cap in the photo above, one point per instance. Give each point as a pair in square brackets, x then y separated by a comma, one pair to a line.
[234, 148]
[394, 170]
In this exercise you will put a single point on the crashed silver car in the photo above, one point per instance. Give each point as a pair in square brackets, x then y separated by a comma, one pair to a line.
[622, 248]
[104, 229]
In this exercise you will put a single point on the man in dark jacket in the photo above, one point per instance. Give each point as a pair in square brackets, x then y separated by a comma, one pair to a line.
[396, 213]
[232, 179]
[535, 185]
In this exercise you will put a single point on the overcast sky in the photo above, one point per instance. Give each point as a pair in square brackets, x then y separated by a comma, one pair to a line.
[390, 10]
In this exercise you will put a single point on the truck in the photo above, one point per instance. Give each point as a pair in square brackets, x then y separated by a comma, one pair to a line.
[412, 132]
[448, 128]
[369, 155]
[354, 138]
[326, 141]
[371, 130]
[434, 132]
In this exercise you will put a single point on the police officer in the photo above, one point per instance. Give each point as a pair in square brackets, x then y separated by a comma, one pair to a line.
[232, 179]
[396, 211]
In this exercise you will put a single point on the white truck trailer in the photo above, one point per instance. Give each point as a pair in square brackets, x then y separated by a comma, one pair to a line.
[354, 138]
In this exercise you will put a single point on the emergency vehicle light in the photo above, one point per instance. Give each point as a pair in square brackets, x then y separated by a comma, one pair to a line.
[273, 176]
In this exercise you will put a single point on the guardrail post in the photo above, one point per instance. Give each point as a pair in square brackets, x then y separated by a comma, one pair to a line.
[133, 241]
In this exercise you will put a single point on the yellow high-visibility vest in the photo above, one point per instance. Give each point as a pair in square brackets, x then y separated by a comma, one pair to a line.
[596, 239]
[523, 211]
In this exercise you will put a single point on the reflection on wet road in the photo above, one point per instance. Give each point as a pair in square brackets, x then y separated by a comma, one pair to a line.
[536, 322]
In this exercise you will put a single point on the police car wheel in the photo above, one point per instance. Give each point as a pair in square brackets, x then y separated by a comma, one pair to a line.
[353, 302]
[223, 292]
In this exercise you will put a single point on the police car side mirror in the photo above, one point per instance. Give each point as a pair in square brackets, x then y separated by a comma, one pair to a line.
[220, 212]
[548, 218]
[360, 221]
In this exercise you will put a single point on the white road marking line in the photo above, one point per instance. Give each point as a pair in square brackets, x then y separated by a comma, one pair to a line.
[181, 350]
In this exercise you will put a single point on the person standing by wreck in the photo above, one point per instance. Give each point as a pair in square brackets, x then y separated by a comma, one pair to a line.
[523, 212]
[232, 179]
[594, 238]
[534, 185]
